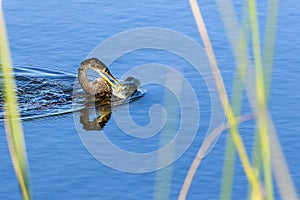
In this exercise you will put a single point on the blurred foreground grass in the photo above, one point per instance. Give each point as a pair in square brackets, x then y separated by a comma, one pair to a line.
[267, 152]
[13, 123]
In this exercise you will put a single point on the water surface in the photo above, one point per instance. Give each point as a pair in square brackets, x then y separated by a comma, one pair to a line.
[50, 39]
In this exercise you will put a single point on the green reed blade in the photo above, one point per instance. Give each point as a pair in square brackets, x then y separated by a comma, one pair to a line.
[13, 125]
[269, 42]
[225, 103]
[240, 53]
[281, 172]
[261, 101]
[163, 180]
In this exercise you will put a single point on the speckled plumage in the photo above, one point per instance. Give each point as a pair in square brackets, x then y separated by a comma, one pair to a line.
[99, 86]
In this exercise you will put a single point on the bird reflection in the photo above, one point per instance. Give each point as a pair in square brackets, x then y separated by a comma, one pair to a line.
[103, 109]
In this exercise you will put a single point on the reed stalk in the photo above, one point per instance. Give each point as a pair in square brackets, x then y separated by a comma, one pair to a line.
[252, 178]
[13, 125]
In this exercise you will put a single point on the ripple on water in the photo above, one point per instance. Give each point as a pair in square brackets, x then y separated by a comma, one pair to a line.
[41, 92]
[45, 92]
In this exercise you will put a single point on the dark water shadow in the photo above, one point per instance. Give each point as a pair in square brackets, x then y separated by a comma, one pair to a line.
[45, 92]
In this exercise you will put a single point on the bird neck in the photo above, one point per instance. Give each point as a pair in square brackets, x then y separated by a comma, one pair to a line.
[85, 83]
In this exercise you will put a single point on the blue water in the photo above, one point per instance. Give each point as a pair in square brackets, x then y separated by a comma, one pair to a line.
[58, 35]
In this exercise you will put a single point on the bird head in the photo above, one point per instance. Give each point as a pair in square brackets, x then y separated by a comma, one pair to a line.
[103, 71]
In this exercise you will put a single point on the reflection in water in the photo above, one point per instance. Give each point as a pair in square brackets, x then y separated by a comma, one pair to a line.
[103, 109]
[104, 104]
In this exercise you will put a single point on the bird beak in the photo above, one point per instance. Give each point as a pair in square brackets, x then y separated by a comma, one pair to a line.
[110, 79]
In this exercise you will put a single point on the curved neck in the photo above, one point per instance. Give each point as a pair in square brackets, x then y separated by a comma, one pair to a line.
[84, 82]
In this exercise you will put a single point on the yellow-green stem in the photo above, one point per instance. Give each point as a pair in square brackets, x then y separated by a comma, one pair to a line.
[261, 101]
[224, 100]
[13, 125]
[240, 53]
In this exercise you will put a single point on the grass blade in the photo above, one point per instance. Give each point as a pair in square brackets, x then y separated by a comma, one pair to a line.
[203, 151]
[225, 103]
[281, 173]
[261, 102]
[240, 52]
[13, 125]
